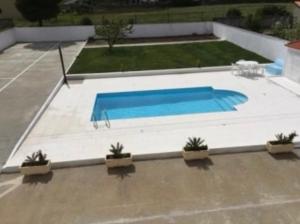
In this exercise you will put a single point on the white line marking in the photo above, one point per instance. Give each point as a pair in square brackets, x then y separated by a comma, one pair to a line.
[14, 182]
[26, 69]
[175, 214]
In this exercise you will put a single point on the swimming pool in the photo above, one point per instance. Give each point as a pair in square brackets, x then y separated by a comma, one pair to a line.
[153, 103]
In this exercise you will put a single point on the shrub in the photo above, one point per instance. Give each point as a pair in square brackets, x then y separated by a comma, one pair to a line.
[37, 158]
[234, 13]
[195, 144]
[278, 30]
[86, 21]
[253, 23]
[284, 139]
[91, 39]
[117, 150]
[272, 11]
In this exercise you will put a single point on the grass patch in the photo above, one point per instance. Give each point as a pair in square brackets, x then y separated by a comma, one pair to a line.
[97, 60]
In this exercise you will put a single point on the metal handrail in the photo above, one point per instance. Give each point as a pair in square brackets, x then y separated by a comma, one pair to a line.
[95, 124]
[105, 115]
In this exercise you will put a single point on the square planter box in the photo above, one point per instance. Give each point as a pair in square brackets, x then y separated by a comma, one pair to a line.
[193, 155]
[275, 148]
[36, 169]
[122, 162]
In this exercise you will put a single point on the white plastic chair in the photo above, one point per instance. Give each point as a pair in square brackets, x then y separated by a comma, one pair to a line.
[261, 70]
[235, 69]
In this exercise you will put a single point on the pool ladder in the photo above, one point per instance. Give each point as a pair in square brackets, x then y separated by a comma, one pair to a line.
[95, 123]
[103, 115]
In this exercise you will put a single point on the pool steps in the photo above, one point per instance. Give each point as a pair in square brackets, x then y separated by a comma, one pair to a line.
[227, 102]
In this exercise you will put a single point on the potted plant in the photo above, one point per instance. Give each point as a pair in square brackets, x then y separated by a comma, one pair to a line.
[283, 143]
[195, 149]
[117, 158]
[36, 164]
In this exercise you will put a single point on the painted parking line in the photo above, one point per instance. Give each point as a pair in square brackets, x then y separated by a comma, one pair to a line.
[27, 68]
[180, 213]
[13, 184]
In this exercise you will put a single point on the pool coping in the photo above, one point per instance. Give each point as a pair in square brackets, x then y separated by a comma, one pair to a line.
[176, 71]
[147, 72]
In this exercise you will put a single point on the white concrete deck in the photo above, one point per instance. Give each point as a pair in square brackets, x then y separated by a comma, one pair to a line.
[65, 132]
[287, 83]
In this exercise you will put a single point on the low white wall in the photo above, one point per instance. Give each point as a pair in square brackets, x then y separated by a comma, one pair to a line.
[292, 65]
[64, 33]
[170, 29]
[266, 46]
[7, 38]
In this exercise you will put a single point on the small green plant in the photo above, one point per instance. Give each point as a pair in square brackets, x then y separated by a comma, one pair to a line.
[195, 144]
[117, 150]
[284, 139]
[32, 158]
[36, 158]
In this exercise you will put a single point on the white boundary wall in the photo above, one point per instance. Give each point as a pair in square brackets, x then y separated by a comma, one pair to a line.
[64, 33]
[170, 29]
[266, 46]
[7, 38]
[292, 66]
[45, 34]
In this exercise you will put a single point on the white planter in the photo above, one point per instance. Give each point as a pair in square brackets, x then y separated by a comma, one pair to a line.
[193, 155]
[34, 170]
[122, 162]
[275, 148]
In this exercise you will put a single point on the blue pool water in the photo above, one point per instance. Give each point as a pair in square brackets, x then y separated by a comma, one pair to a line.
[153, 103]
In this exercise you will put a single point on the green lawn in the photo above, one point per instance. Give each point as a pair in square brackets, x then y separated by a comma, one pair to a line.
[156, 15]
[96, 60]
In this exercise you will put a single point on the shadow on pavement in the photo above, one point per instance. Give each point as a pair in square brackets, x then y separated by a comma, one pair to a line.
[121, 172]
[38, 179]
[251, 76]
[201, 163]
[45, 46]
[286, 156]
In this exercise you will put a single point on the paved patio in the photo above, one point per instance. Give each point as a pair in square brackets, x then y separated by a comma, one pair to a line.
[28, 74]
[270, 109]
[243, 188]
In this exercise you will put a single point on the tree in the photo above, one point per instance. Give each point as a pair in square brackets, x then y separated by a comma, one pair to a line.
[112, 30]
[38, 10]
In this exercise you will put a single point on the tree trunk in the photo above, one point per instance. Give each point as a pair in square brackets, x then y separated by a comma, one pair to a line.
[110, 47]
[40, 22]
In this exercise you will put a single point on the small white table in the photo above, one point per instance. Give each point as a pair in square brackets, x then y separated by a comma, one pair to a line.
[246, 63]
